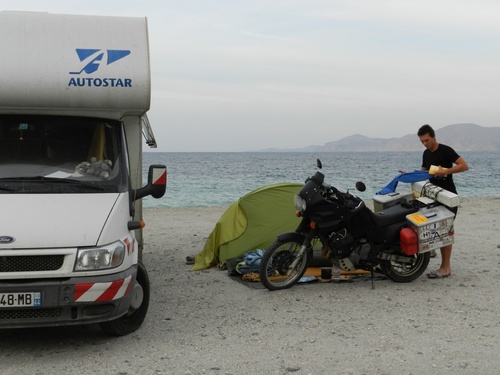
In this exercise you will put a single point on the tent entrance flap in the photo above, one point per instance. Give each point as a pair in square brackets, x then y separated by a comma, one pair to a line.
[252, 222]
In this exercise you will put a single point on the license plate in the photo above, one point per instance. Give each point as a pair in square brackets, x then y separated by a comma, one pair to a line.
[33, 299]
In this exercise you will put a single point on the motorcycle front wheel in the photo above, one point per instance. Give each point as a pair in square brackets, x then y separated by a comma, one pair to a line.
[282, 265]
[402, 272]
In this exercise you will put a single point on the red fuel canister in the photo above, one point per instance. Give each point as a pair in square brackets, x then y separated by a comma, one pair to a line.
[408, 241]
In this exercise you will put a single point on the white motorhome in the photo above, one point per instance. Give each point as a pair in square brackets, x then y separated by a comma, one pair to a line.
[74, 92]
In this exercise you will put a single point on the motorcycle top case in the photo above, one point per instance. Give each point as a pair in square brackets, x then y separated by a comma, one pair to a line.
[382, 202]
[434, 227]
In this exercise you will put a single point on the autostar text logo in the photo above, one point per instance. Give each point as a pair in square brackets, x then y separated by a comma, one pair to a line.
[92, 60]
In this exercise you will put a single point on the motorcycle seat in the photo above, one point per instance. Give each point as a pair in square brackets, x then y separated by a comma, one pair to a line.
[393, 215]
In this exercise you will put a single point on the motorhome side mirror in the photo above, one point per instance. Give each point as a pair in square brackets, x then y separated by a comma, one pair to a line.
[360, 186]
[157, 183]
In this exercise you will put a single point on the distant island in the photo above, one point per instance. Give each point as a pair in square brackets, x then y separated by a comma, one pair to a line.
[463, 137]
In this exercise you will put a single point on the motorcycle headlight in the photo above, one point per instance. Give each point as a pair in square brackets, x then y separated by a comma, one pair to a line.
[300, 203]
[100, 258]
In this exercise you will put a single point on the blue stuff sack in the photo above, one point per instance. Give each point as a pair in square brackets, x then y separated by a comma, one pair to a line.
[251, 261]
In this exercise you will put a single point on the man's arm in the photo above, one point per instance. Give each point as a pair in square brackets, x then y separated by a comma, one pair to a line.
[460, 166]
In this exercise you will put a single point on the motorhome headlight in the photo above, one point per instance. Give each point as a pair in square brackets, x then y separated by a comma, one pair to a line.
[300, 203]
[100, 258]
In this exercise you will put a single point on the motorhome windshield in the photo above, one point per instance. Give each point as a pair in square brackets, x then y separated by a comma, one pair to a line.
[46, 154]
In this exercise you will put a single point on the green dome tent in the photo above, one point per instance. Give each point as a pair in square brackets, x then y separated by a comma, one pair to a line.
[253, 222]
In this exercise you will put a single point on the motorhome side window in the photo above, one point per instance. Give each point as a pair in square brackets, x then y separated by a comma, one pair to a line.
[45, 148]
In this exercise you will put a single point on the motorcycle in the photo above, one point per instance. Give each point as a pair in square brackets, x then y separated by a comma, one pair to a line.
[351, 235]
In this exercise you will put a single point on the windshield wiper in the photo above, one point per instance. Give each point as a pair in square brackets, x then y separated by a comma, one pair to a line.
[51, 180]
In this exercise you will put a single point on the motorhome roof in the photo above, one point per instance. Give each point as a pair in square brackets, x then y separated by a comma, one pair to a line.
[74, 65]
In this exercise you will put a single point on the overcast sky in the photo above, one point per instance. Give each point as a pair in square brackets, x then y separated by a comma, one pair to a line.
[231, 75]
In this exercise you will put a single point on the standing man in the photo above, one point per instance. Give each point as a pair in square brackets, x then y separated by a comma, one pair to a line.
[444, 157]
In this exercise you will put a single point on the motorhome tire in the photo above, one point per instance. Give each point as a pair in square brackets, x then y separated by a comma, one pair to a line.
[131, 321]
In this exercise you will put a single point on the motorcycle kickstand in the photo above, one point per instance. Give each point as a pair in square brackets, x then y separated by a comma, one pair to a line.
[373, 278]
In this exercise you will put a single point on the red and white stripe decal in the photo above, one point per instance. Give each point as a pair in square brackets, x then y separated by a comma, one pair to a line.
[159, 176]
[101, 292]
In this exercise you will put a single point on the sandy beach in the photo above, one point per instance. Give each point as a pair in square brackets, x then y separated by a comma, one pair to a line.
[429, 326]
[204, 322]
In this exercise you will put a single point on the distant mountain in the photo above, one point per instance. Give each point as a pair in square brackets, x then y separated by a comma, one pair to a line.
[359, 142]
[462, 137]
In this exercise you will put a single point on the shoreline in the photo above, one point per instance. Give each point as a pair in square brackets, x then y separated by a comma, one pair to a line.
[151, 210]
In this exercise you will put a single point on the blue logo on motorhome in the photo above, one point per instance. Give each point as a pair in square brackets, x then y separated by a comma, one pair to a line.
[93, 59]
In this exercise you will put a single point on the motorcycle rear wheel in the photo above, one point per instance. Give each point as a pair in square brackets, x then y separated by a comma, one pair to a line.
[406, 272]
[276, 270]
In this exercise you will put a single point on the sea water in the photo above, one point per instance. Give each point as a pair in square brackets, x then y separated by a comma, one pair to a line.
[219, 179]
